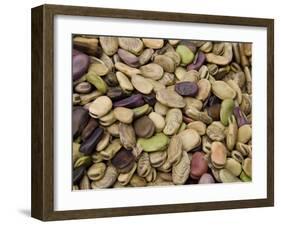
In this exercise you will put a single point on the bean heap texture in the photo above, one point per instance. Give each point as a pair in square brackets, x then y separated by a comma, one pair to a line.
[160, 112]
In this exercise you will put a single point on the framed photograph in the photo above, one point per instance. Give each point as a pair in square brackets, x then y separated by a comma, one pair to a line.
[141, 112]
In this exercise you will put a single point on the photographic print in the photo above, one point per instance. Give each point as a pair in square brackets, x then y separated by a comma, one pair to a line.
[160, 112]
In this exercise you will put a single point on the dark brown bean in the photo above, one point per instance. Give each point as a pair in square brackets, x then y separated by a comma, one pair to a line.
[144, 127]
[97, 51]
[80, 118]
[211, 100]
[214, 112]
[90, 127]
[123, 160]
[187, 89]
[187, 119]
[116, 93]
[111, 79]
[88, 147]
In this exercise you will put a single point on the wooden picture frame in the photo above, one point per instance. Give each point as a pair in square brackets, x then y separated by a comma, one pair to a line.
[43, 120]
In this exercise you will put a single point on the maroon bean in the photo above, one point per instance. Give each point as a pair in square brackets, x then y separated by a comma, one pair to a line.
[199, 165]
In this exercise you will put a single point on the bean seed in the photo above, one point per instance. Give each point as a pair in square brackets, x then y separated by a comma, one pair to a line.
[226, 110]
[144, 127]
[83, 87]
[185, 53]
[199, 165]
[100, 107]
[123, 161]
[218, 154]
[79, 121]
[158, 120]
[189, 89]
[123, 114]
[90, 144]
[158, 142]
[80, 64]
[130, 102]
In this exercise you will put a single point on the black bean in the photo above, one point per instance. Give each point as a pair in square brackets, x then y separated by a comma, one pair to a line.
[78, 174]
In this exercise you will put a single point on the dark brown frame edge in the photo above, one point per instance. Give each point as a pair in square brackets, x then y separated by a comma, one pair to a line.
[42, 201]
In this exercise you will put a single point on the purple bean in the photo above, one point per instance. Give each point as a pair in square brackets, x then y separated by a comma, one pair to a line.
[187, 89]
[88, 147]
[199, 62]
[128, 58]
[80, 64]
[149, 98]
[130, 102]
[240, 117]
